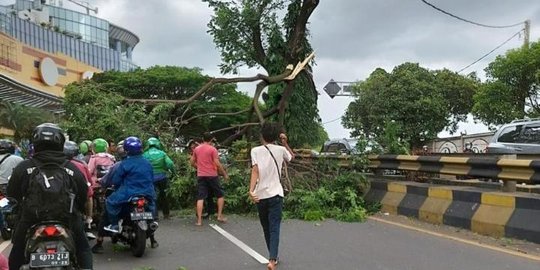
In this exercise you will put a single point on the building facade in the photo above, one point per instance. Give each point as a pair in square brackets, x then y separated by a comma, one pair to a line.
[44, 47]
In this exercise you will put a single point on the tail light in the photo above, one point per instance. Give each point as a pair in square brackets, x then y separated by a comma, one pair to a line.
[50, 231]
[141, 203]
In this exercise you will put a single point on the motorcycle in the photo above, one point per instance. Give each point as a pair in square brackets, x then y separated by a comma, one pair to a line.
[9, 219]
[50, 246]
[137, 224]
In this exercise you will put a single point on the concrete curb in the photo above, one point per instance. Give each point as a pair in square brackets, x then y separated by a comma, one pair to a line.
[483, 211]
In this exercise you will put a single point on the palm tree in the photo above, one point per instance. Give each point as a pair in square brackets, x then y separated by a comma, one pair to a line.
[22, 119]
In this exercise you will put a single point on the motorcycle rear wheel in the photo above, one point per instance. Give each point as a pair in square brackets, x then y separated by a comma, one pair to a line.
[139, 243]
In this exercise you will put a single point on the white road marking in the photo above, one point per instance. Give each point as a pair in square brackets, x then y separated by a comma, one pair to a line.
[240, 244]
[4, 245]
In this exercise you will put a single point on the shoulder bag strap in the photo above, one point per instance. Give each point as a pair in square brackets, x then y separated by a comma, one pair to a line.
[5, 157]
[275, 161]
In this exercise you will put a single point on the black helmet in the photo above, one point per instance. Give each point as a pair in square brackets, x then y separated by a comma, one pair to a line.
[7, 147]
[48, 136]
[71, 149]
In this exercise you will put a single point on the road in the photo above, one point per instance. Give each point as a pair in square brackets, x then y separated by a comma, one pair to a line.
[306, 245]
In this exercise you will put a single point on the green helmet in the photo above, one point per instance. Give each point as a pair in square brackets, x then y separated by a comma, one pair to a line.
[100, 145]
[153, 142]
[84, 147]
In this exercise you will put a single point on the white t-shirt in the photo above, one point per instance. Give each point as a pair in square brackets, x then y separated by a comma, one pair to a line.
[6, 168]
[269, 181]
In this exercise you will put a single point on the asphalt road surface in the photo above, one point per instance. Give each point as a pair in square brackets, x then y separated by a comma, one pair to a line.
[307, 245]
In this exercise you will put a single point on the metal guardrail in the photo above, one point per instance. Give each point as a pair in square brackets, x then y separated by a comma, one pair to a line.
[483, 167]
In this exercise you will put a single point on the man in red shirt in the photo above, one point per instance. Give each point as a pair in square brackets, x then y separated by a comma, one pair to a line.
[206, 159]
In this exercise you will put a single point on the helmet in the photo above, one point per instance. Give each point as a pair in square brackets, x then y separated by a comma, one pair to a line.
[71, 149]
[133, 146]
[48, 136]
[120, 151]
[153, 142]
[100, 145]
[84, 147]
[7, 147]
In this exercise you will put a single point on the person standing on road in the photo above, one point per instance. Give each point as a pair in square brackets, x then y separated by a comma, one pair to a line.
[265, 186]
[206, 159]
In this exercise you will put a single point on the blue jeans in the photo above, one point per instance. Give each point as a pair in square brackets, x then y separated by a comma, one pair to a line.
[270, 212]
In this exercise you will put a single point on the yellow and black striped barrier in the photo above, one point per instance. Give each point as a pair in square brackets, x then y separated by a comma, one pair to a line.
[491, 213]
[527, 171]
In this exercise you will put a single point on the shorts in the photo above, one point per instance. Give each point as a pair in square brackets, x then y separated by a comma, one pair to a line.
[206, 183]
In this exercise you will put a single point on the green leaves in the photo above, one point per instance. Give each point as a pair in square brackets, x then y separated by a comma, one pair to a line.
[93, 112]
[97, 108]
[22, 119]
[258, 33]
[409, 106]
[512, 89]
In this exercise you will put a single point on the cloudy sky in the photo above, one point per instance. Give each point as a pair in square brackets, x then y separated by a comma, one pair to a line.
[350, 37]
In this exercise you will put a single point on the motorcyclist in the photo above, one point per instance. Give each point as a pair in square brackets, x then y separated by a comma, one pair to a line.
[162, 165]
[105, 183]
[8, 161]
[85, 151]
[71, 150]
[48, 140]
[133, 176]
[99, 164]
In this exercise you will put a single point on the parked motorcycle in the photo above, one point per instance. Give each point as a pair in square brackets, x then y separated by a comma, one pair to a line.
[50, 246]
[137, 225]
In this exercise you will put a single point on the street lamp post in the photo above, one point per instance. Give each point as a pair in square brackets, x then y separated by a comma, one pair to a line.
[339, 89]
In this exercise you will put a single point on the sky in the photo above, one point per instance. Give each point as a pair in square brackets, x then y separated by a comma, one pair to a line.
[351, 38]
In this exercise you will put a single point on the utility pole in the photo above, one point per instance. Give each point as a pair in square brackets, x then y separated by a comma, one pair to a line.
[527, 33]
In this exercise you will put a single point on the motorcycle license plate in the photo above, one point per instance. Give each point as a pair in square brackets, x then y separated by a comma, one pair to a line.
[141, 216]
[39, 260]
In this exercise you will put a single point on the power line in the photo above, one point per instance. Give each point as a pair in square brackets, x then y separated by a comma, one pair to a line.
[469, 21]
[331, 121]
[487, 54]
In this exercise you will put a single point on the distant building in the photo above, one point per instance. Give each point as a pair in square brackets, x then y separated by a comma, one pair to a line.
[44, 47]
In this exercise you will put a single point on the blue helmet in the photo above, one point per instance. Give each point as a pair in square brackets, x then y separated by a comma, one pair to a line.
[133, 146]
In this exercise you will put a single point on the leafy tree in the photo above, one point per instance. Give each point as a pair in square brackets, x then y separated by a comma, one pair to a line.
[94, 112]
[251, 33]
[513, 87]
[110, 89]
[22, 119]
[418, 102]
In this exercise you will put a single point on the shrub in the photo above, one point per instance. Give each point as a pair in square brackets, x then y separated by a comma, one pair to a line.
[338, 194]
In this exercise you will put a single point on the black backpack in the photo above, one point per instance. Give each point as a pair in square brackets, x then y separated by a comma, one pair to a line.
[51, 192]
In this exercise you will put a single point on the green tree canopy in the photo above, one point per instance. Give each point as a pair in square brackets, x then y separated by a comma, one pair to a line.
[257, 33]
[106, 108]
[512, 88]
[418, 102]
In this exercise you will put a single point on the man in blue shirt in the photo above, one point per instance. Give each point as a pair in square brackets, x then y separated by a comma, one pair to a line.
[133, 176]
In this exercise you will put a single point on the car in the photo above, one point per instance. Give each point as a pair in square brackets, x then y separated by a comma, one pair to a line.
[339, 147]
[518, 137]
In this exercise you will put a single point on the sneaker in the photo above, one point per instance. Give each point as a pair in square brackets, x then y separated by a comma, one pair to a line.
[154, 244]
[112, 228]
[90, 235]
[98, 248]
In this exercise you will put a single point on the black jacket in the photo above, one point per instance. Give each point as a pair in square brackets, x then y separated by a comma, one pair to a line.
[18, 182]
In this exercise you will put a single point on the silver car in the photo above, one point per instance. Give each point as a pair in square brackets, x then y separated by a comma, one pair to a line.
[518, 137]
